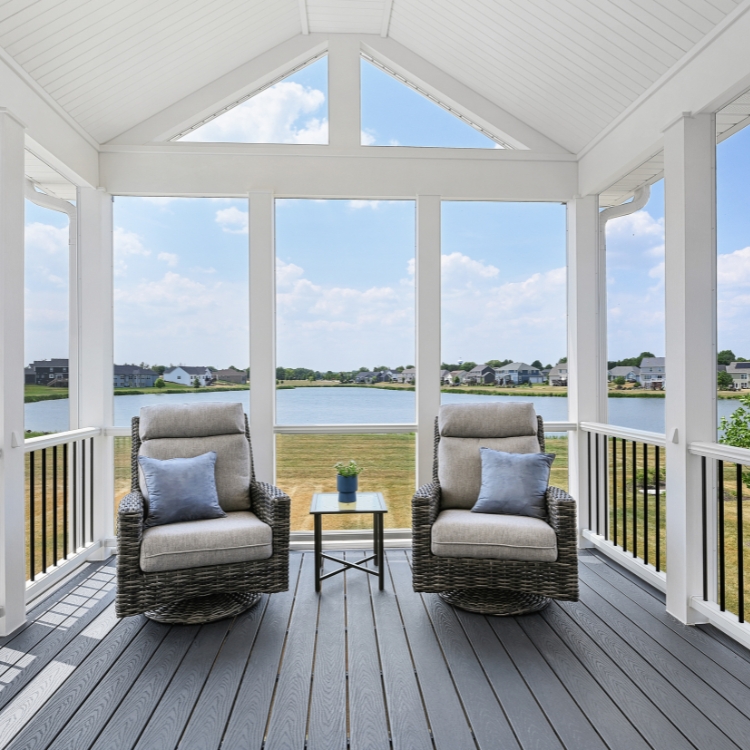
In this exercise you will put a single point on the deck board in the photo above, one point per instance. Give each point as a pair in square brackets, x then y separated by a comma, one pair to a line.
[362, 669]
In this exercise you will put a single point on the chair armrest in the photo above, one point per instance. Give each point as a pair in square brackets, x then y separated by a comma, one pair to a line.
[562, 511]
[130, 517]
[425, 507]
[270, 504]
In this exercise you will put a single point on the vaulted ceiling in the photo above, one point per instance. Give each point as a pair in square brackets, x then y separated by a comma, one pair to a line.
[567, 68]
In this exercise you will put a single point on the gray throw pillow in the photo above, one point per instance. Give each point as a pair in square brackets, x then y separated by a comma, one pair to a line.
[514, 484]
[181, 489]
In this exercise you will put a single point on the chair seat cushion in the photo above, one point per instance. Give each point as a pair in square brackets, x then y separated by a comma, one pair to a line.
[239, 537]
[461, 533]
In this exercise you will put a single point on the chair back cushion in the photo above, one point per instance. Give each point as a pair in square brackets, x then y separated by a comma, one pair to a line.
[464, 429]
[188, 430]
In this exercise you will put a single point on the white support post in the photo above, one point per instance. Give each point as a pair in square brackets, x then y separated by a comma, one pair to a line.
[587, 336]
[344, 91]
[428, 330]
[262, 333]
[12, 479]
[690, 286]
[94, 348]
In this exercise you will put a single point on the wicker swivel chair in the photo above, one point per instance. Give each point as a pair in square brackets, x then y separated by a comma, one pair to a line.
[494, 564]
[199, 571]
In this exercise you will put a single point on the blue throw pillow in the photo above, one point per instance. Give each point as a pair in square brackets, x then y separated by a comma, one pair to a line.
[514, 484]
[181, 489]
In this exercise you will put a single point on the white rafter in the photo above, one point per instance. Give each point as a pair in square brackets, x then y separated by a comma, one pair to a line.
[387, 7]
[303, 17]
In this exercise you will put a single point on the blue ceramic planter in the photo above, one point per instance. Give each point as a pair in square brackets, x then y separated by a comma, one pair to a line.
[347, 487]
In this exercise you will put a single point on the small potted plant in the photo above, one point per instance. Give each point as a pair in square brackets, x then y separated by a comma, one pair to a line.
[347, 480]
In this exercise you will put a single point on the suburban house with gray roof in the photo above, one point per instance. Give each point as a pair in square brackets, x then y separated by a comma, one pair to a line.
[653, 373]
[558, 375]
[184, 375]
[631, 373]
[133, 376]
[518, 373]
[740, 372]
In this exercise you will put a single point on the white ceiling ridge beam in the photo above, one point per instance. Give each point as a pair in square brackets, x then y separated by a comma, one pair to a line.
[244, 80]
[41, 92]
[303, 19]
[451, 92]
[385, 24]
[706, 77]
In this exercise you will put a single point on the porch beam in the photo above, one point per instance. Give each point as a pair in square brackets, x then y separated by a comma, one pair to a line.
[389, 173]
[587, 338]
[690, 403]
[12, 479]
[93, 352]
[428, 356]
[262, 333]
[344, 128]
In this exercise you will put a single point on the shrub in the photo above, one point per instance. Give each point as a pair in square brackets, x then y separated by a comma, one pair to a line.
[159, 383]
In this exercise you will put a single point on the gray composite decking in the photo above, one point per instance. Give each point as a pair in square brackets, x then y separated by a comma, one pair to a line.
[357, 668]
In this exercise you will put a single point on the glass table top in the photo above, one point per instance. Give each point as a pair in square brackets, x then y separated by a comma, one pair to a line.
[366, 502]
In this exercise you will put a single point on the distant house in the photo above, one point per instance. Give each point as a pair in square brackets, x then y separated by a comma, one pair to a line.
[29, 375]
[47, 370]
[460, 374]
[631, 373]
[133, 376]
[740, 372]
[446, 377]
[558, 375]
[653, 373]
[185, 375]
[518, 373]
[409, 375]
[231, 376]
[364, 377]
[481, 374]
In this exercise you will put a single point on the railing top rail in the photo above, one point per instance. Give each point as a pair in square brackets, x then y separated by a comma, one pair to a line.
[59, 438]
[721, 452]
[627, 433]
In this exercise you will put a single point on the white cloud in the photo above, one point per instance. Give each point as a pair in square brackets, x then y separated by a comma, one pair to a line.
[639, 224]
[170, 259]
[128, 243]
[367, 138]
[47, 238]
[285, 113]
[199, 269]
[364, 204]
[232, 220]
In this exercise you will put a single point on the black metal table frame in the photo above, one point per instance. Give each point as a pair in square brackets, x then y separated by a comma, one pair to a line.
[378, 527]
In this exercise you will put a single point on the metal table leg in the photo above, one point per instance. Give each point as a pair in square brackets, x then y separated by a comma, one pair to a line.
[381, 557]
[318, 536]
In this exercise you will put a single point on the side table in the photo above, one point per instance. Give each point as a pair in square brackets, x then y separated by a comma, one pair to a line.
[327, 503]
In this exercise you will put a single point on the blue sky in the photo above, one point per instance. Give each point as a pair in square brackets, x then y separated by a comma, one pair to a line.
[345, 278]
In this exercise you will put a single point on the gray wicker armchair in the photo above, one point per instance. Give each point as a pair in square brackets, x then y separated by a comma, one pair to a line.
[499, 565]
[199, 571]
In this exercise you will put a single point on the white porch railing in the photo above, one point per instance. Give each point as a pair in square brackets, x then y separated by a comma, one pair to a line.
[627, 520]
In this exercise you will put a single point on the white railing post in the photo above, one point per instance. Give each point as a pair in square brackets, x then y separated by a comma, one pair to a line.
[262, 333]
[12, 481]
[95, 347]
[587, 356]
[690, 286]
[428, 330]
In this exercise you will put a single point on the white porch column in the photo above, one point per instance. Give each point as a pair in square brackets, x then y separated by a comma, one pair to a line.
[92, 346]
[343, 91]
[262, 333]
[428, 330]
[690, 201]
[587, 340]
[12, 481]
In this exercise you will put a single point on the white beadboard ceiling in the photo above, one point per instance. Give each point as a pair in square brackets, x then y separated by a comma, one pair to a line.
[568, 68]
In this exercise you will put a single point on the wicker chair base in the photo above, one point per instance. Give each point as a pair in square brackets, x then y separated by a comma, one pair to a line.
[499, 602]
[202, 609]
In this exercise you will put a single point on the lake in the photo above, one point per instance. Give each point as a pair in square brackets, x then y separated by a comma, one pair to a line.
[310, 405]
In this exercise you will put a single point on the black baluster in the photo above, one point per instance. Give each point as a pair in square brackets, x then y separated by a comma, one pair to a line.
[588, 465]
[704, 519]
[54, 505]
[91, 488]
[74, 498]
[44, 510]
[598, 483]
[65, 500]
[740, 550]
[657, 471]
[645, 504]
[32, 521]
[614, 489]
[635, 502]
[83, 493]
[624, 495]
[722, 571]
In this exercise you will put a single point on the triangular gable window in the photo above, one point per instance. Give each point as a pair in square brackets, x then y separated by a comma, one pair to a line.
[396, 112]
[292, 110]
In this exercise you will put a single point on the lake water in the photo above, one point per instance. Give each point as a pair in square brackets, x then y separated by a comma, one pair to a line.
[310, 405]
